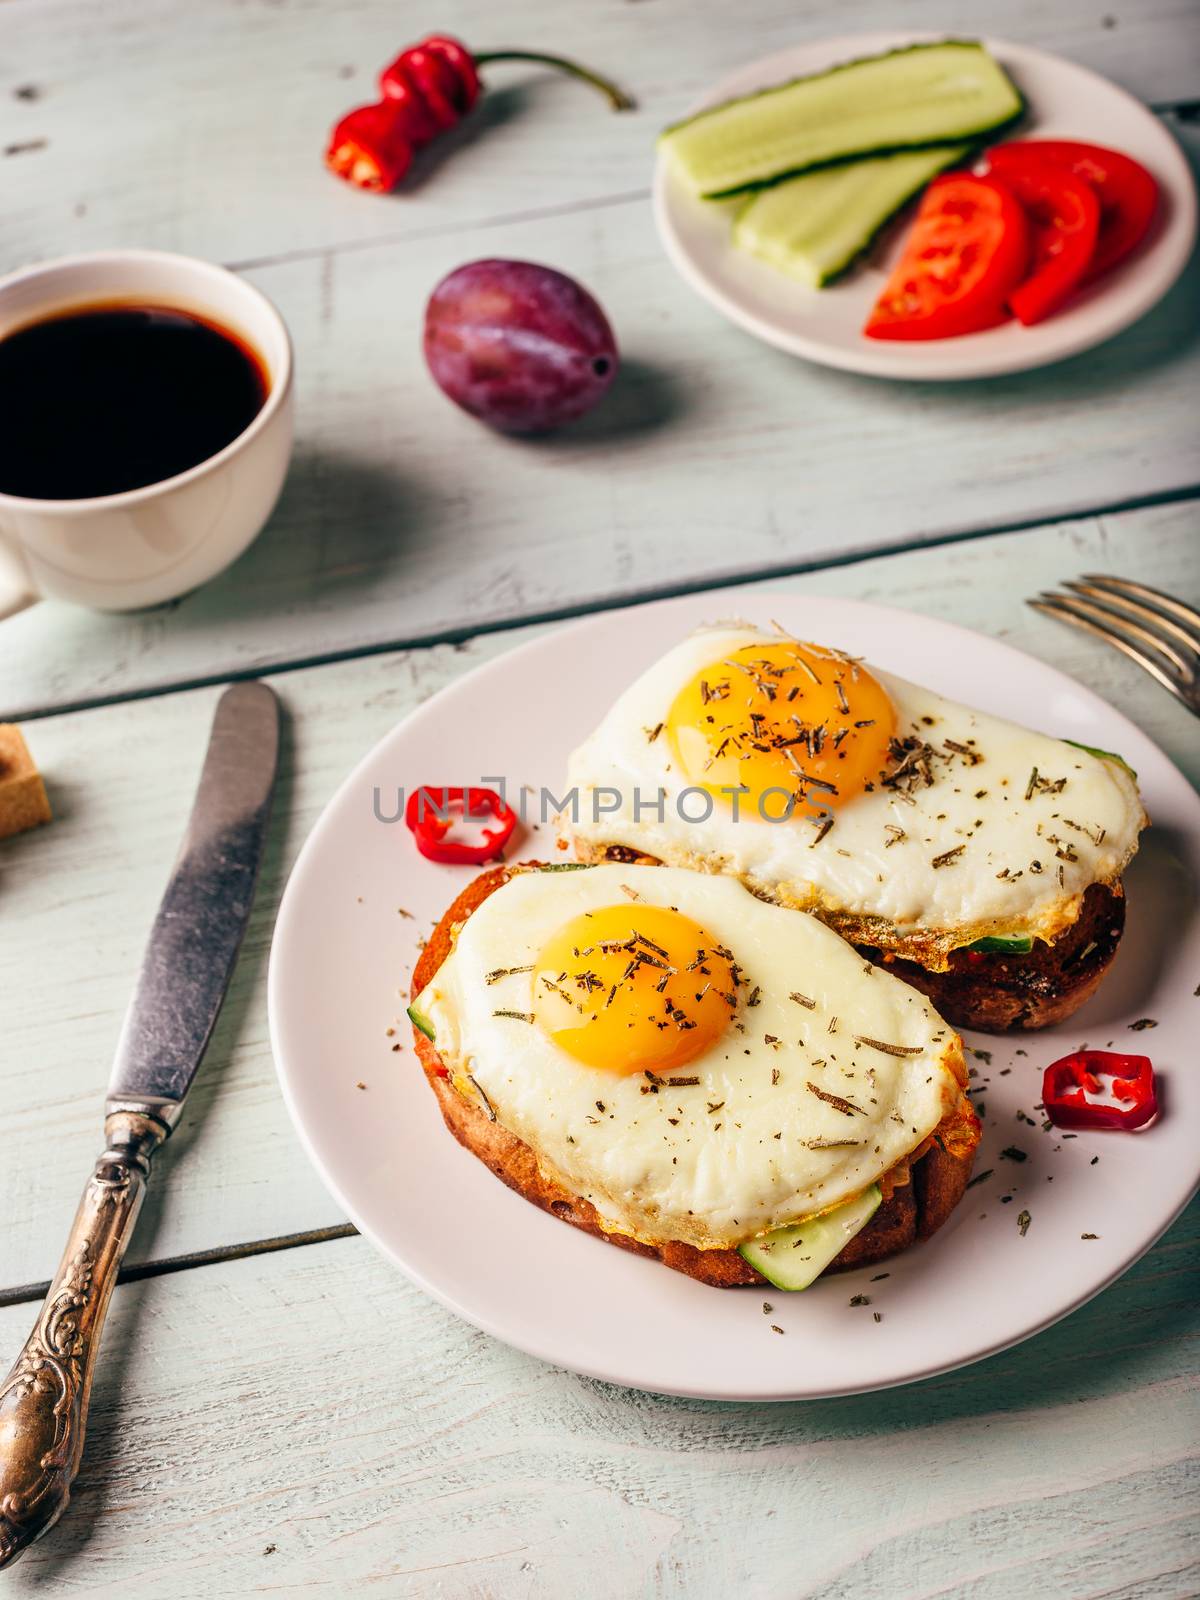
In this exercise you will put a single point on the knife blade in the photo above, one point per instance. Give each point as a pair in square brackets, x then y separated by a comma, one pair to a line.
[185, 972]
[197, 933]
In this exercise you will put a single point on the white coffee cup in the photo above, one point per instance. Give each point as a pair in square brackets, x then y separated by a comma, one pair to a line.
[118, 552]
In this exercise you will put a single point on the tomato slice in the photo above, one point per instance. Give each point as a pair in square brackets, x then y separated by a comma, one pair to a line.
[1064, 214]
[1128, 194]
[968, 249]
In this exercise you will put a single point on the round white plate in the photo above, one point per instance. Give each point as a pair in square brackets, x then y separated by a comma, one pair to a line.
[825, 325]
[339, 973]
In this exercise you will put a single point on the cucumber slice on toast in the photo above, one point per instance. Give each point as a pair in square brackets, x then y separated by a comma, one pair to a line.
[1102, 755]
[1016, 944]
[791, 1258]
[418, 1014]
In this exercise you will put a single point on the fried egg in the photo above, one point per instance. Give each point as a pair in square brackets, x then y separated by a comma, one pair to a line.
[697, 1063]
[902, 818]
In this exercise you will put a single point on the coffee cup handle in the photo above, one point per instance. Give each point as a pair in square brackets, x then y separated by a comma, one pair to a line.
[16, 590]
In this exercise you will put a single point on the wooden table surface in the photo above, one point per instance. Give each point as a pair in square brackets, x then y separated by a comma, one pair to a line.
[278, 1410]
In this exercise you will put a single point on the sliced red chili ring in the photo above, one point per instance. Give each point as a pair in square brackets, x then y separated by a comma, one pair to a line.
[430, 813]
[1100, 1089]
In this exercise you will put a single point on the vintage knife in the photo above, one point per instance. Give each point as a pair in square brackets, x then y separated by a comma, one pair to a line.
[185, 971]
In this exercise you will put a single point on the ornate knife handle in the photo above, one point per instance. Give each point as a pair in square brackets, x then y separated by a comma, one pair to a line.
[44, 1399]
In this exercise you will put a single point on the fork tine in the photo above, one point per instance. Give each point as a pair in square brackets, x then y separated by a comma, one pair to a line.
[1055, 607]
[1163, 602]
[1111, 622]
[1121, 606]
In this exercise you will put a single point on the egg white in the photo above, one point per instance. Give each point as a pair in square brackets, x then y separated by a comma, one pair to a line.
[739, 1153]
[1026, 858]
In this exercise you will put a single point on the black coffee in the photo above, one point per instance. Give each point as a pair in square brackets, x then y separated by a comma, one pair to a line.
[109, 398]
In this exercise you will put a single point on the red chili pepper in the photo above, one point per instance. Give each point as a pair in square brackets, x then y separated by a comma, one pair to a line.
[370, 147]
[426, 90]
[429, 815]
[1071, 1089]
[437, 79]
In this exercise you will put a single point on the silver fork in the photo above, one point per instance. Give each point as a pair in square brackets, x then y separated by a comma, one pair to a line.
[1157, 631]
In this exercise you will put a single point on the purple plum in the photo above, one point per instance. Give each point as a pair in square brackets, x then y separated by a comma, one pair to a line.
[521, 347]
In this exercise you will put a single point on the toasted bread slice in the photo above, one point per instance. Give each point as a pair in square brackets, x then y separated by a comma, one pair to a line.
[995, 993]
[1000, 993]
[919, 1193]
[23, 802]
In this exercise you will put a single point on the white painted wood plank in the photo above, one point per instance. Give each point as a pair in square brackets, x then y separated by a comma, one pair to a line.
[201, 128]
[713, 457]
[312, 1424]
[77, 898]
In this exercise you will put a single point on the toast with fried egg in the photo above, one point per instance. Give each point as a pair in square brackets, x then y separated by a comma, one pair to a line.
[498, 1099]
[981, 861]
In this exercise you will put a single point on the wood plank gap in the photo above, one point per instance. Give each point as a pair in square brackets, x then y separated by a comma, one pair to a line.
[24, 1292]
[586, 608]
[1183, 110]
[502, 219]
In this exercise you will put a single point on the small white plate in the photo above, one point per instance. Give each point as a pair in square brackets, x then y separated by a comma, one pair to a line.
[825, 325]
[339, 974]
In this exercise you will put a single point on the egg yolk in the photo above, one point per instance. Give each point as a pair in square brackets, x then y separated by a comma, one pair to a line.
[634, 988]
[783, 719]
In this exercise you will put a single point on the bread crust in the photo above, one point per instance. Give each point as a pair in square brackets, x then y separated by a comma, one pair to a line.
[919, 1194]
[994, 993]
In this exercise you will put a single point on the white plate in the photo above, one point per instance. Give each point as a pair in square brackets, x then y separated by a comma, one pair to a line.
[339, 963]
[1065, 102]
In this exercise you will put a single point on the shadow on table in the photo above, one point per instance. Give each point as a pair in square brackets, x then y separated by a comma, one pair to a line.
[345, 525]
[1110, 1346]
[1163, 337]
[354, 521]
[495, 107]
[1101, 1349]
[642, 400]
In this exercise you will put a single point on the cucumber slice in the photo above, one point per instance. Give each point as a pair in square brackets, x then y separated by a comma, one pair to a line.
[997, 944]
[418, 1014]
[927, 94]
[791, 1258]
[812, 227]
